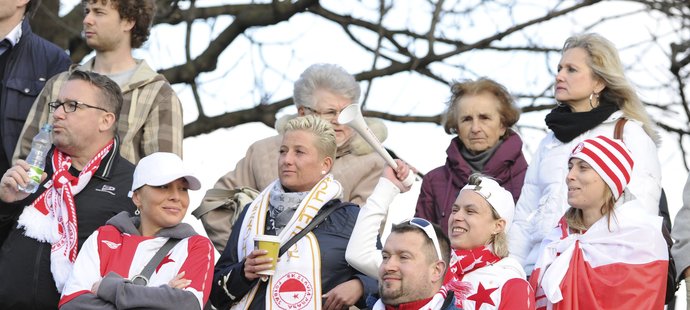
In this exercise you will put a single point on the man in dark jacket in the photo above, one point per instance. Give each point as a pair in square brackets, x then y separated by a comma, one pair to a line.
[415, 259]
[27, 61]
[86, 183]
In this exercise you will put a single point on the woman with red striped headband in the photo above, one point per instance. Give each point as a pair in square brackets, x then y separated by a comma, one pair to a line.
[606, 252]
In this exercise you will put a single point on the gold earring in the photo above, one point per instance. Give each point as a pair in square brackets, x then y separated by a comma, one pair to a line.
[596, 96]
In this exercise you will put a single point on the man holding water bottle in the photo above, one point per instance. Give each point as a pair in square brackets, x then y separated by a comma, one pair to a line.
[85, 183]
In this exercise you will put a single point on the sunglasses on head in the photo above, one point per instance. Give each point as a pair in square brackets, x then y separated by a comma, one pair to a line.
[428, 229]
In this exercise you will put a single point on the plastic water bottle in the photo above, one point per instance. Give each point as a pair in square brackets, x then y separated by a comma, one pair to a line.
[37, 157]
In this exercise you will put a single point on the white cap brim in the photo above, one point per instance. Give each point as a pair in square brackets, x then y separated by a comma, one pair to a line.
[159, 169]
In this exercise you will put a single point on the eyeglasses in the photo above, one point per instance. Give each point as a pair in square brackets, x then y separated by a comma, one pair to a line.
[428, 229]
[70, 106]
[328, 115]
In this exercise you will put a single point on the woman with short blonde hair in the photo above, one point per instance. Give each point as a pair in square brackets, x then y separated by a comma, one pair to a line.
[316, 261]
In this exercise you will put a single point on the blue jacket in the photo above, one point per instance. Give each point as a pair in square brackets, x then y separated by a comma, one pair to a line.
[32, 61]
[333, 235]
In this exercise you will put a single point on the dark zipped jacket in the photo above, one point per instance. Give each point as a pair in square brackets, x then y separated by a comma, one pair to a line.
[441, 186]
[25, 262]
[32, 61]
[332, 234]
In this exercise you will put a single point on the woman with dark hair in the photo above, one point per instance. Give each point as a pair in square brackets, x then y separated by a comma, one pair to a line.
[481, 113]
[115, 258]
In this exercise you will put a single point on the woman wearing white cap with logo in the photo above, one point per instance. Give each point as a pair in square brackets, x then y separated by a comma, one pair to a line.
[151, 260]
[481, 273]
[606, 252]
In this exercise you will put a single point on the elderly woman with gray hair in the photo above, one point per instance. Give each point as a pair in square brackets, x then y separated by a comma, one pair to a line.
[322, 90]
[311, 273]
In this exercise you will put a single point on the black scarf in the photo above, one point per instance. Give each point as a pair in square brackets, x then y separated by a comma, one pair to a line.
[567, 125]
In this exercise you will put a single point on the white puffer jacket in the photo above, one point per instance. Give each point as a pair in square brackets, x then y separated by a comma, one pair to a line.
[544, 196]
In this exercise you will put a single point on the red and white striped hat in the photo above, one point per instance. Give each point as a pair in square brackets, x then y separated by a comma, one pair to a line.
[609, 158]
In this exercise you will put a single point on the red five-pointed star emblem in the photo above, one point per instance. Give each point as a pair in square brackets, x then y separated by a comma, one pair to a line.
[483, 296]
[165, 260]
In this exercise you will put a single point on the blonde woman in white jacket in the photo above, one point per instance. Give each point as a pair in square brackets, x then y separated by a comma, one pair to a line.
[593, 94]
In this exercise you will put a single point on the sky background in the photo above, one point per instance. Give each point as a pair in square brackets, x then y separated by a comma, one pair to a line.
[290, 47]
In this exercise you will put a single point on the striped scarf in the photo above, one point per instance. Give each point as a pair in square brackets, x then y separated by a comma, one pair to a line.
[52, 217]
[296, 283]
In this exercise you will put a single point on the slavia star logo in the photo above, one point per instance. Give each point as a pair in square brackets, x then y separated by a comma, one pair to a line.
[482, 296]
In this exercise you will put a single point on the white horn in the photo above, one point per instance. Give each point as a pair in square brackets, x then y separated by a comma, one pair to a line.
[352, 116]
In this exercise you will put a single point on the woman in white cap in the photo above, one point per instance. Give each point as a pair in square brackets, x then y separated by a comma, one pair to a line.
[481, 273]
[151, 260]
[606, 252]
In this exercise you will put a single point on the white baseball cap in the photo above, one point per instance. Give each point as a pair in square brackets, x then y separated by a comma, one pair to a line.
[159, 169]
[497, 196]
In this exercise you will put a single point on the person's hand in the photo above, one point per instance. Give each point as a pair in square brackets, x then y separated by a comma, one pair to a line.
[256, 262]
[343, 296]
[13, 177]
[179, 281]
[398, 175]
[94, 287]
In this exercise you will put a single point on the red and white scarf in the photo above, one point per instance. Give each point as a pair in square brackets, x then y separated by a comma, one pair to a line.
[463, 262]
[52, 217]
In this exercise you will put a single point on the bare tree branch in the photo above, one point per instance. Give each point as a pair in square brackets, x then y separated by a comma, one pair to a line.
[253, 15]
[454, 34]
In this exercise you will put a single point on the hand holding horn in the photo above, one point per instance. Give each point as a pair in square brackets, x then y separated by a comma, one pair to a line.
[352, 116]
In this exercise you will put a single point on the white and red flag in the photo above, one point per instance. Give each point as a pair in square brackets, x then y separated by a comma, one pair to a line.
[619, 263]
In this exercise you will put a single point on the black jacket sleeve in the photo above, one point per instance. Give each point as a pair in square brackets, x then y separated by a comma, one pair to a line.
[229, 283]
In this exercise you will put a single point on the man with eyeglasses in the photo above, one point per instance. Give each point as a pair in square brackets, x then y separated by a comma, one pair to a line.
[415, 259]
[85, 183]
[151, 116]
[323, 90]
